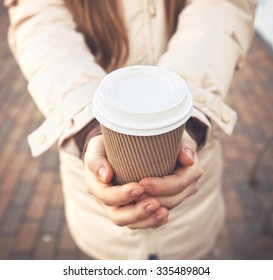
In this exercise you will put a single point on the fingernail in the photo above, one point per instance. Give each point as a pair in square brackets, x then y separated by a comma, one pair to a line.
[150, 208]
[159, 218]
[189, 152]
[135, 193]
[102, 172]
[148, 188]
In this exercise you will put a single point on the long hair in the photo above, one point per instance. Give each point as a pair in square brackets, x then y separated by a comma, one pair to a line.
[104, 30]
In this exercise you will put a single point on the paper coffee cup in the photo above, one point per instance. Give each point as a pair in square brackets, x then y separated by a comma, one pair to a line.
[142, 111]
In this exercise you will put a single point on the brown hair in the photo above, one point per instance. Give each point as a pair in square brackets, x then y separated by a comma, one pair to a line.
[102, 24]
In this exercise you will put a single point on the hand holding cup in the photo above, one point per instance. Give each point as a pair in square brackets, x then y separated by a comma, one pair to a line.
[119, 201]
[143, 205]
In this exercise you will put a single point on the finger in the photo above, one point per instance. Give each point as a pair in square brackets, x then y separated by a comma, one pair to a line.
[132, 213]
[141, 197]
[187, 150]
[186, 156]
[96, 160]
[154, 221]
[175, 183]
[112, 195]
[171, 202]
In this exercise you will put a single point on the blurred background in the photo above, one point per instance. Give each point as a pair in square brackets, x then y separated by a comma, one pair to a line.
[32, 221]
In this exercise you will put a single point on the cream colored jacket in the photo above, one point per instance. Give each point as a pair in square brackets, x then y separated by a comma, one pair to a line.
[209, 44]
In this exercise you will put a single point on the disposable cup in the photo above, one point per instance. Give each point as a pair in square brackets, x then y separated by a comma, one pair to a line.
[142, 111]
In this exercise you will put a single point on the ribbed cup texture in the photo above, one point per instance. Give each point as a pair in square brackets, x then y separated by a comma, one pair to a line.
[136, 157]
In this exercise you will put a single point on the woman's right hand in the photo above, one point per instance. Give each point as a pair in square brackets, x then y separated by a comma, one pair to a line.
[119, 201]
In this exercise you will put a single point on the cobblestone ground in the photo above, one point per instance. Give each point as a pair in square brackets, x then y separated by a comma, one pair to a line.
[32, 222]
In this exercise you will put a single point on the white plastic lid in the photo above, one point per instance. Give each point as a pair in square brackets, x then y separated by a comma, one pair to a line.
[142, 100]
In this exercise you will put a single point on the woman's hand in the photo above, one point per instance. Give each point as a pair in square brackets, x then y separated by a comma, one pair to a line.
[120, 201]
[171, 190]
[144, 204]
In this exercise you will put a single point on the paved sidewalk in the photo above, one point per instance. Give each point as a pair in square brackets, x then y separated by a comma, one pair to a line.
[32, 222]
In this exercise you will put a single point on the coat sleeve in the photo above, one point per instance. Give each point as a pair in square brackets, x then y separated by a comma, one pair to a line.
[210, 43]
[61, 72]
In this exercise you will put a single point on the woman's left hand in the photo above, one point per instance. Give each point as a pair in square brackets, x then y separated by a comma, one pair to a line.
[171, 190]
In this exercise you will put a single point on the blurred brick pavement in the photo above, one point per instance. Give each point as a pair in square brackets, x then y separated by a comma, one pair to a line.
[32, 222]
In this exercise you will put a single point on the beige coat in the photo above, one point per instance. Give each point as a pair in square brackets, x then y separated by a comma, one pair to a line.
[210, 42]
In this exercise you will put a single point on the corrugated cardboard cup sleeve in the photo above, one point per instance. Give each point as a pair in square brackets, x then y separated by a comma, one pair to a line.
[136, 157]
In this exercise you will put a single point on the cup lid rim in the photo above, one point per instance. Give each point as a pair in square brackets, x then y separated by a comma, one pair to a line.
[123, 113]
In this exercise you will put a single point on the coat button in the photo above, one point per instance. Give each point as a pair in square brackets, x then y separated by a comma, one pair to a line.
[200, 98]
[225, 117]
[59, 120]
[41, 139]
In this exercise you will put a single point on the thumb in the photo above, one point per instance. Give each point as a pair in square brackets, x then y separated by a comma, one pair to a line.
[187, 150]
[96, 160]
[186, 156]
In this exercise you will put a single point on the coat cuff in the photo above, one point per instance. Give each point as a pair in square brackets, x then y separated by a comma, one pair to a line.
[215, 109]
[59, 124]
[83, 137]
